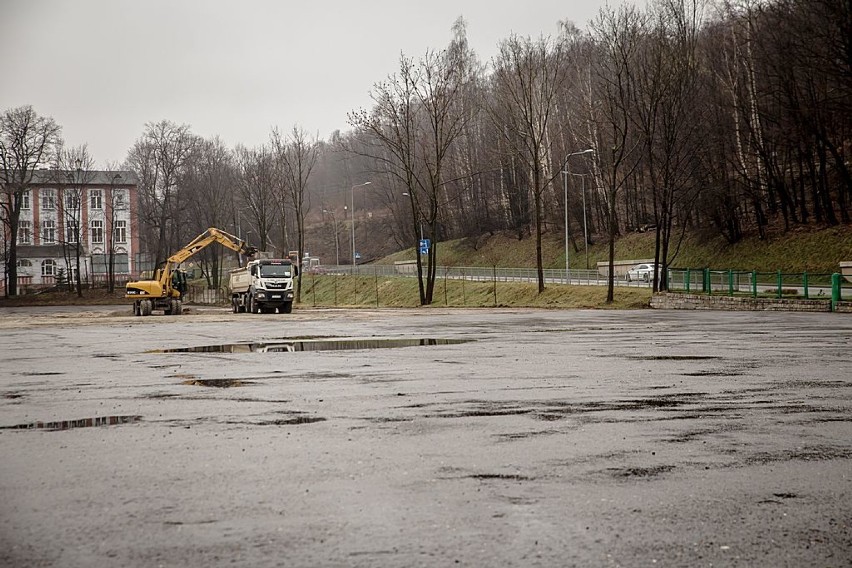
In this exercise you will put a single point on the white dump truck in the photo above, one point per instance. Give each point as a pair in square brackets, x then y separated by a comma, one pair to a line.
[262, 286]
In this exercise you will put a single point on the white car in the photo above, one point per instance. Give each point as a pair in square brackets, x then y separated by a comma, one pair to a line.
[644, 272]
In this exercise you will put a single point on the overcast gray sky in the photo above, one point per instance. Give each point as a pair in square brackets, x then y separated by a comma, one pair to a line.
[103, 68]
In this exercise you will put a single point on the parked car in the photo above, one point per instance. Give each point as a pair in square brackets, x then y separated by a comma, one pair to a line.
[643, 272]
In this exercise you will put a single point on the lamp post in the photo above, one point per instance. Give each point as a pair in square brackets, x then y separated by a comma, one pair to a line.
[352, 207]
[565, 173]
[585, 229]
[336, 236]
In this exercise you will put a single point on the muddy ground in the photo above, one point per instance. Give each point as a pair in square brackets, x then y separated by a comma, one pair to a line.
[516, 438]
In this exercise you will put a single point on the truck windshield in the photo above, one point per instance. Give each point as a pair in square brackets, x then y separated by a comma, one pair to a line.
[275, 270]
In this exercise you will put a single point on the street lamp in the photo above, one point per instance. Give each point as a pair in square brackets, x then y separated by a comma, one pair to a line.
[336, 235]
[585, 230]
[565, 173]
[352, 207]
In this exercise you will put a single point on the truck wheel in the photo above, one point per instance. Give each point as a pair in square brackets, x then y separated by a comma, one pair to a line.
[287, 308]
[234, 305]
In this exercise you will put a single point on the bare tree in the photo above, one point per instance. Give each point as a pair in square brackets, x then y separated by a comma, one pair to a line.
[617, 33]
[27, 141]
[159, 157]
[256, 186]
[414, 124]
[528, 78]
[667, 115]
[296, 158]
[391, 131]
[209, 179]
[116, 201]
[76, 166]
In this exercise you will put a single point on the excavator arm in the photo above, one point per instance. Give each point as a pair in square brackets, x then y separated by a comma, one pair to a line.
[208, 237]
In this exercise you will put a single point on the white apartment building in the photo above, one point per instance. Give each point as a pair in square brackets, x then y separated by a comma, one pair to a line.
[93, 212]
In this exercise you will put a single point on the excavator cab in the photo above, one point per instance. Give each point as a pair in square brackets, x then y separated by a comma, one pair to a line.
[179, 282]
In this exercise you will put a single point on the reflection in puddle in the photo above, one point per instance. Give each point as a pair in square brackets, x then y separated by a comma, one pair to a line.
[80, 423]
[312, 345]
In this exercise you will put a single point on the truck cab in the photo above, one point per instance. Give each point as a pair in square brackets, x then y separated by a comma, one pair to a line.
[263, 286]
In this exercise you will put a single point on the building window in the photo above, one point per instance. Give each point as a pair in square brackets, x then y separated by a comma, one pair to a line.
[119, 199]
[48, 267]
[72, 201]
[25, 199]
[25, 232]
[97, 232]
[48, 232]
[71, 233]
[23, 264]
[48, 199]
[120, 232]
[95, 199]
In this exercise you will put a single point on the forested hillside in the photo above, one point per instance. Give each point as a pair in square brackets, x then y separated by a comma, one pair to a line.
[730, 121]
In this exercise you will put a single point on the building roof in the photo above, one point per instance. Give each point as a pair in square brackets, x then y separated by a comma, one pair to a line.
[85, 177]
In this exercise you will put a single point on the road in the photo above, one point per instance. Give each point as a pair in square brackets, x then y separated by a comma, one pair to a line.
[521, 438]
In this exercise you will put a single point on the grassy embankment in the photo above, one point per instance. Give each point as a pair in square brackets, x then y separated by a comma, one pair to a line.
[796, 251]
[813, 251]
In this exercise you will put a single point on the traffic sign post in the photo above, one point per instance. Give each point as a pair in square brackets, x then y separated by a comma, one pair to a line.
[424, 246]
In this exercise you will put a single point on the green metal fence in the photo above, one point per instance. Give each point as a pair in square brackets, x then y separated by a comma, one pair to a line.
[801, 285]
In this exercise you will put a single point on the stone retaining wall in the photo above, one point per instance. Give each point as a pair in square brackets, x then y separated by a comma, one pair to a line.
[704, 302]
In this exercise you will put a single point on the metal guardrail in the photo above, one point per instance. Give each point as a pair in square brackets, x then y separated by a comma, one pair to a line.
[801, 285]
[578, 277]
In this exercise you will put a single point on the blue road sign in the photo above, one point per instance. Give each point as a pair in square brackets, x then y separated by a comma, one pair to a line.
[424, 246]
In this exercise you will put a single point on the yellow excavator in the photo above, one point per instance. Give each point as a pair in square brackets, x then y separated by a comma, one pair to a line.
[164, 292]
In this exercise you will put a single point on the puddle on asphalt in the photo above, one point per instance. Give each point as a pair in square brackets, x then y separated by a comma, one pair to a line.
[218, 383]
[312, 345]
[672, 357]
[79, 423]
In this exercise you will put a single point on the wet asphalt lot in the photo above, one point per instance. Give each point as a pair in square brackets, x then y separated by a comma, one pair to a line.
[527, 438]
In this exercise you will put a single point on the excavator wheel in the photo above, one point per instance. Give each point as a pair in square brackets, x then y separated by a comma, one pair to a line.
[145, 307]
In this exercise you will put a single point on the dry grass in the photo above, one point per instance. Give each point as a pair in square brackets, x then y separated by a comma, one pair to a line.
[366, 291]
